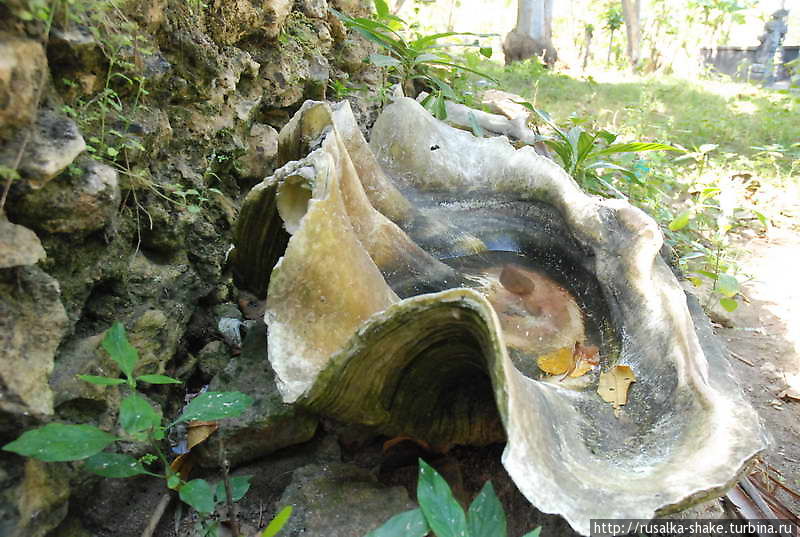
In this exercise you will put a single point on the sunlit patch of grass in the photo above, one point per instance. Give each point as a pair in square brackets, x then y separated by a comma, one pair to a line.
[736, 116]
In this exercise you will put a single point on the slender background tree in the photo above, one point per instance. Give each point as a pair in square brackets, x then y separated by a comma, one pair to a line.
[533, 34]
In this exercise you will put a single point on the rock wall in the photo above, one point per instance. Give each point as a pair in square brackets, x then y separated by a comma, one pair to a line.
[129, 132]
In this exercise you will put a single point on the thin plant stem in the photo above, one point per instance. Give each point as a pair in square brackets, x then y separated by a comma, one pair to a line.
[233, 517]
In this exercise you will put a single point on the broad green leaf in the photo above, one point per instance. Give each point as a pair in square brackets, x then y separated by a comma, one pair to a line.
[442, 512]
[692, 255]
[101, 381]
[707, 274]
[485, 517]
[444, 87]
[585, 145]
[240, 484]
[136, 415]
[440, 108]
[477, 130]
[607, 165]
[114, 465]
[158, 379]
[464, 68]
[427, 40]
[573, 135]
[427, 57]
[728, 303]
[486, 51]
[277, 523]
[211, 406]
[680, 221]
[727, 285]
[609, 137]
[376, 28]
[121, 351]
[534, 533]
[381, 8]
[173, 481]
[198, 494]
[563, 151]
[635, 147]
[407, 524]
[382, 60]
[544, 116]
[58, 442]
[761, 218]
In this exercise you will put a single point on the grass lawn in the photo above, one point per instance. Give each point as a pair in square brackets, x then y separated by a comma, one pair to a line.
[735, 116]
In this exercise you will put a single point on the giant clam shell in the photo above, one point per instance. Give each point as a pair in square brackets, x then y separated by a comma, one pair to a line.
[383, 265]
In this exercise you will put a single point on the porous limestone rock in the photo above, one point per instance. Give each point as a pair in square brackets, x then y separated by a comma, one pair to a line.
[231, 21]
[269, 424]
[83, 201]
[32, 323]
[22, 68]
[84, 356]
[262, 147]
[18, 245]
[40, 500]
[339, 499]
[53, 144]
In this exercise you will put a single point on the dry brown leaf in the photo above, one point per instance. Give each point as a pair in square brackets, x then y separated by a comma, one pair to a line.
[182, 465]
[198, 431]
[389, 444]
[614, 384]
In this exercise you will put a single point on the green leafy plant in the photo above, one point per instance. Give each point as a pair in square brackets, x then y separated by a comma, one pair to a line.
[719, 14]
[139, 422]
[439, 513]
[583, 153]
[417, 62]
[613, 20]
[699, 156]
[700, 233]
[190, 198]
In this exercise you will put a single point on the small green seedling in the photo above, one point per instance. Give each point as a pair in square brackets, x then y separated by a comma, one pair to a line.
[140, 422]
[420, 59]
[441, 514]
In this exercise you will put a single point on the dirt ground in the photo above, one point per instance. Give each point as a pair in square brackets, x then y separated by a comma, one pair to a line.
[764, 343]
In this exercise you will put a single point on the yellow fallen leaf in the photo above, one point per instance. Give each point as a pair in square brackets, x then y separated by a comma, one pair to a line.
[581, 368]
[557, 362]
[614, 384]
[571, 362]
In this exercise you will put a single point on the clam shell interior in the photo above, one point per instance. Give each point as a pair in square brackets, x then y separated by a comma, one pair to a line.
[414, 282]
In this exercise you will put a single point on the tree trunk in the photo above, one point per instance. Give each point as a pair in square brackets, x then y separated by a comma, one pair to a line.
[533, 35]
[587, 42]
[631, 11]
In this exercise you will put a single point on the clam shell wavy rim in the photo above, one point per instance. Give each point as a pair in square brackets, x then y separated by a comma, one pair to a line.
[345, 239]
